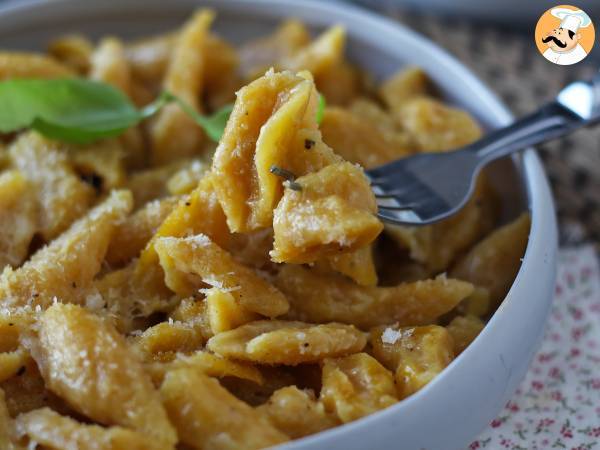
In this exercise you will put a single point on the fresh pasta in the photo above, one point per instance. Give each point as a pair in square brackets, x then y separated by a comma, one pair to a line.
[162, 291]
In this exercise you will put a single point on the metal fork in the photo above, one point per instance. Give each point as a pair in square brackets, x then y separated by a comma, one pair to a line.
[429, 187]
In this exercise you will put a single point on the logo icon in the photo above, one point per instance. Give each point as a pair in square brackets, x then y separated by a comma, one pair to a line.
[564, 35]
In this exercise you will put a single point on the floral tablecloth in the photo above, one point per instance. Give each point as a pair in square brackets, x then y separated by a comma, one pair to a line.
[557, 406]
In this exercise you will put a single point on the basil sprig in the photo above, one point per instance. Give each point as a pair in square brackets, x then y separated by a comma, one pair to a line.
[213, 125]
[321, 108]
[81, 111]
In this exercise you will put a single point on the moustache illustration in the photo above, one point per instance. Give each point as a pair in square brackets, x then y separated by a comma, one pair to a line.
[555, 40]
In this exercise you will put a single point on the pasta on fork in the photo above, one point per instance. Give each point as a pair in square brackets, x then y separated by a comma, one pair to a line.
[164, 289]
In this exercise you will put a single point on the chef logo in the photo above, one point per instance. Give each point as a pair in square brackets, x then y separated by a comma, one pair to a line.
[564, 35]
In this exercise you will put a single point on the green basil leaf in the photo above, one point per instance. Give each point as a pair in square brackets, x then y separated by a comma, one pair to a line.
[321, 108]
[217, 122]
[72, 110]
[81, 111]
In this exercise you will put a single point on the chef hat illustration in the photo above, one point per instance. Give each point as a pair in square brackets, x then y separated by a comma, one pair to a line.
[572, 19]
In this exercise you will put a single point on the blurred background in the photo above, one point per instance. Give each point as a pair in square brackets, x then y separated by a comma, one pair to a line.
[514, 16]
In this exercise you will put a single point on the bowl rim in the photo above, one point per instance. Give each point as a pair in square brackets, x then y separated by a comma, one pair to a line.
[542, 238]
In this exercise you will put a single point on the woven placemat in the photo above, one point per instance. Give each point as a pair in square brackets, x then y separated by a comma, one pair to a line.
[509, 63]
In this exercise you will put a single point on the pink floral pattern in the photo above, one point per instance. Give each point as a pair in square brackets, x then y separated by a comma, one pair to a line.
[557, 406]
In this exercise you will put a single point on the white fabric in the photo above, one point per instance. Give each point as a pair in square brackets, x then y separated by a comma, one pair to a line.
[566, 58]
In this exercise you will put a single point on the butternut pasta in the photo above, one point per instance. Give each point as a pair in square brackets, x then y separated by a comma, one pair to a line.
[160, 290]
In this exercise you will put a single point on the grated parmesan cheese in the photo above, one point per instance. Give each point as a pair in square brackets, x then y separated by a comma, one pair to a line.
[390, 336]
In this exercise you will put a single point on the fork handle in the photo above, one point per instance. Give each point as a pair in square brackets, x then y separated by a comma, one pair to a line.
[549, 122]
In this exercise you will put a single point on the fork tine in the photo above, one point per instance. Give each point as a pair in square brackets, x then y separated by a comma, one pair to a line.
[386, 191]
[382, 195]
[386, 169]
[423, 188]
[399, 193]
[397, 208]
[398, 217]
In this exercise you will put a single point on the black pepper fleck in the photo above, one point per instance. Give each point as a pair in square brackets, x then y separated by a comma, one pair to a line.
[94, 180]
[308, 144]
[21, 371]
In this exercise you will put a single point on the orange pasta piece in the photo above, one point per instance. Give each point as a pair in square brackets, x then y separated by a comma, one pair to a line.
[317, 297]
[416, 354]
[284, 342]
[197, 256]
[84, 360]
[355, 386]
[330, 212]
[64, 269]
[206, 416]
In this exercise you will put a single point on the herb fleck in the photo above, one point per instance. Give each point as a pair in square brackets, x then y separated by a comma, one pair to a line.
[283, 173]
[294, 186]
[288, 176]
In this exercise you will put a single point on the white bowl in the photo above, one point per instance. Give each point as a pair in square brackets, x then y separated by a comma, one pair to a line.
[459, 403]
